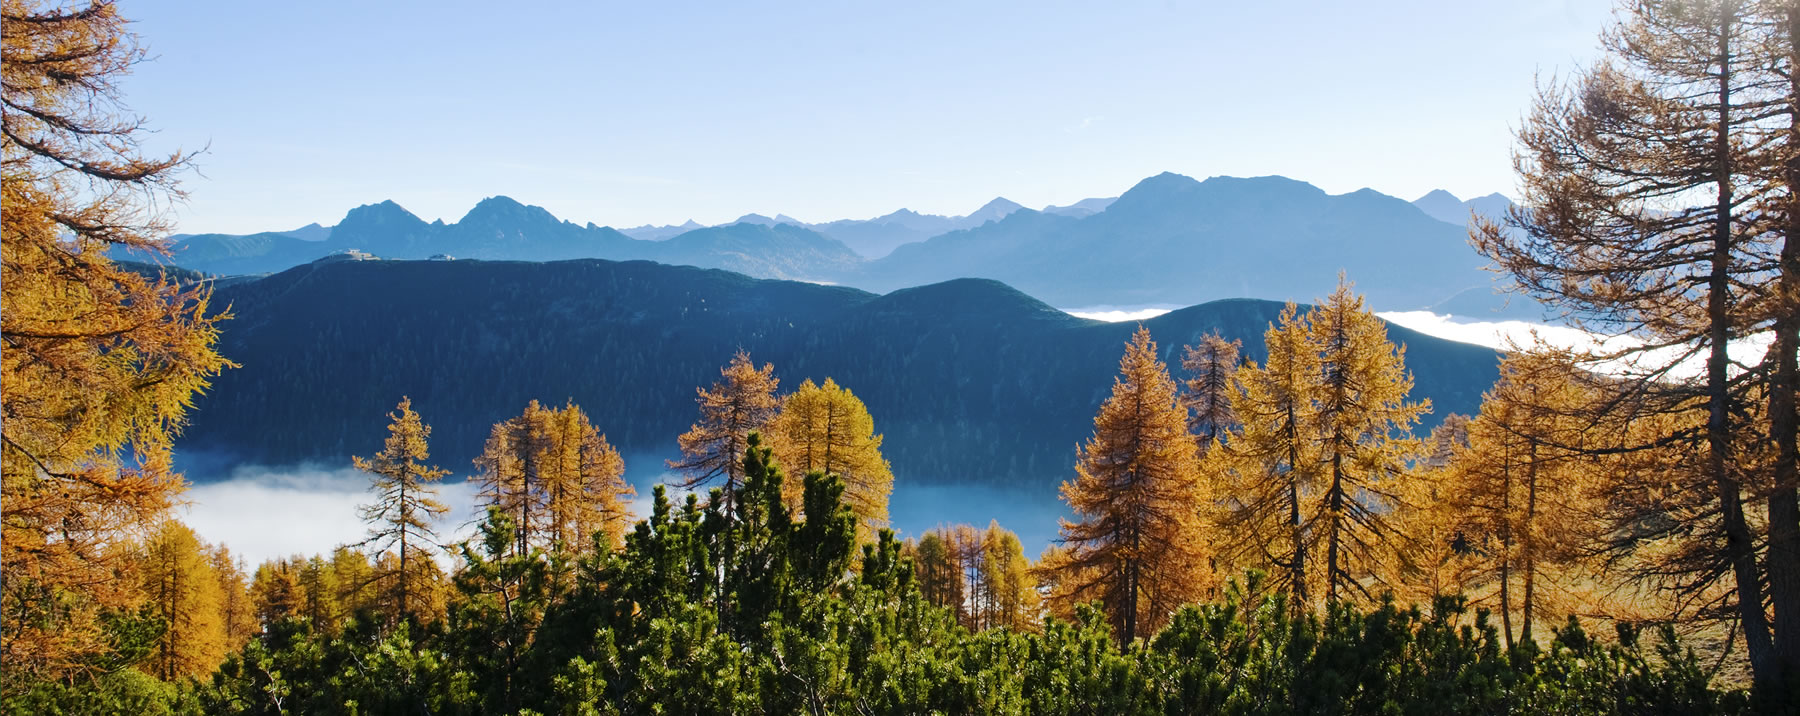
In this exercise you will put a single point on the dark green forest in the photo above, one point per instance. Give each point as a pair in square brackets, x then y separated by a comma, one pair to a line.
[974, 382]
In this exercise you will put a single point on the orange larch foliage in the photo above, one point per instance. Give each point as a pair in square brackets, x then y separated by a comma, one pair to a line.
[1137, 543]
[99, 363]
[742, 401]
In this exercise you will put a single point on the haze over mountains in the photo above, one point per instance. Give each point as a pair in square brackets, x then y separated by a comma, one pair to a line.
[1167, 240]
[1446, 207]
[971, 381]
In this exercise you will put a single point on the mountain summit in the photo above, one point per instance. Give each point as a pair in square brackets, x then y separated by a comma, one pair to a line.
[1445, 207]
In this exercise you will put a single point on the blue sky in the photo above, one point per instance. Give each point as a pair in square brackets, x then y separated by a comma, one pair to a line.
[656, 112]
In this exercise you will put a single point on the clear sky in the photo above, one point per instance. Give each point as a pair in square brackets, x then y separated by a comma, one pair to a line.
[656, 112]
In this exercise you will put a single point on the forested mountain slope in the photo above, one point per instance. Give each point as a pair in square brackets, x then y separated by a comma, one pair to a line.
[970, 380]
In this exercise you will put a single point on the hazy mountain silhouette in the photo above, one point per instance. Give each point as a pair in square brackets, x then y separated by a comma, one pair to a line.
[1085, 207]
[1169, 240]
[1446, 207]
[648, 232]
[877, 237]
[1172, 239]
[501, 228]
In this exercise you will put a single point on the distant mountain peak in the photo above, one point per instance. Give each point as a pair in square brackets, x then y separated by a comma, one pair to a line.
[1000, 203]
[1438, 195]
[384, 212]
[505, 207]
[994, 210]
[754, 218]
[1166, 181]
[1446, 207]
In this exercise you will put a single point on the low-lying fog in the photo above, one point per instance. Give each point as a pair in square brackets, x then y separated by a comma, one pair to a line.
[263, 512]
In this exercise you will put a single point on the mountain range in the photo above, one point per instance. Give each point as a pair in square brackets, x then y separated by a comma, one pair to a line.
[1169, 239]
[970, 380]
[1445, 207]
[875, 238]
[501, 228]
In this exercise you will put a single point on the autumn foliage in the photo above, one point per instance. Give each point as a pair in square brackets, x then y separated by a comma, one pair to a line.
[100, 364]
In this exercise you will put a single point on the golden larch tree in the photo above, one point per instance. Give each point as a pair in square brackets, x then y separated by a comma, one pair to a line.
[100, 364]
[557, 476]
[935, 563]
[589, 499]
[1007, 578]
[406, 506]
[1136, 544]
[235, 613]
[828, 429]
[323, 604]
[275, 592]
[182, 590]
[743, 400]
[1274, 467]
[1652, 199]
[512, 471]
[1518, 489]
[1363, 424]
[360, 586]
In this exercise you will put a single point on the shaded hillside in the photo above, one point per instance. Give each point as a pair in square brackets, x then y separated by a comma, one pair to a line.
[970, 380]
[1172, 239]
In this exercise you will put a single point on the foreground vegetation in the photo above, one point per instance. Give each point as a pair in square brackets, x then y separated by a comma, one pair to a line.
[702, 613]
[1242, 540]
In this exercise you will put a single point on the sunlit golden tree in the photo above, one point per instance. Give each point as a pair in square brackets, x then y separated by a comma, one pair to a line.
[275, 591]
[512, 471]
[1518, 491]
[182, 590]
[828, 429]
[743, 400]
[937, 569]
[1135, 544]
[588, 497]
[1007, 579]
[235, 613]
[1274, 470]
[406, 506]
[1650, 206]
[557, 476]
[1363, 426]
[100, 365]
